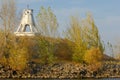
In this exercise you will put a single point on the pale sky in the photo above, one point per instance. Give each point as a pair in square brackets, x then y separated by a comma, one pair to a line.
[106, 13]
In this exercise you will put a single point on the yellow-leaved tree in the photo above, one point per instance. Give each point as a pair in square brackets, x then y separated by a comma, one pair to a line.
[91, 33]
[75, 34]
[85, 35]
[7, 25]
[12, 52]
[95, 48]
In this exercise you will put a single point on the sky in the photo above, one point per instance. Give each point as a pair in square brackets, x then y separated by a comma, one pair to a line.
[106, 14]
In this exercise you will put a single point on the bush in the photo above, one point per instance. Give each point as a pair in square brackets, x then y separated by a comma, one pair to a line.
[6, 44]
[18, 57]
[63, 50]
[46, 51]
[29, 43]
[93, 56]
[3, 60]
[78, 53]
[13, 51]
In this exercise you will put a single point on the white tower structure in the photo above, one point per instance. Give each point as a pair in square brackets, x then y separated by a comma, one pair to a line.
[27, 25]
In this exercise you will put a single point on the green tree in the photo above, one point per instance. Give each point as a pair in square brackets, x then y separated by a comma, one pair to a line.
[74, 33]
[84, 34]
[47, 22]
[91, 33]
[45, 50]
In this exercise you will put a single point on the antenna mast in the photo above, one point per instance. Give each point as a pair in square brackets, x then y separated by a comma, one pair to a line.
[27, 6]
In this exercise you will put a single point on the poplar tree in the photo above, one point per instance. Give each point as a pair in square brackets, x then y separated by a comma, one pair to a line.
[47, 22]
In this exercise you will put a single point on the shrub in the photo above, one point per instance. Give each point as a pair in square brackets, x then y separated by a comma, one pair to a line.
[93, 56]
[46, 51]
[6, 44]
[30, 43]
[63, 50]
[3, 60]
[78, 53]
[13, 52]
[18, 59]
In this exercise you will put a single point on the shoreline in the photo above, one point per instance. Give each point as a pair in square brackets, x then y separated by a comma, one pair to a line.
[63, 71]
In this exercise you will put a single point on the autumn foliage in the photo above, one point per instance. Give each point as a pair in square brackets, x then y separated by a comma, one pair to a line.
[93, 56]
[85, 36]
[81, 42]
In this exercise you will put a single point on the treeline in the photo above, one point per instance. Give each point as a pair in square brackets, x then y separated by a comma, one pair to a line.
[81, 42]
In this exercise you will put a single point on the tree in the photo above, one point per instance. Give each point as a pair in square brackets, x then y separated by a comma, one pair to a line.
[46, 50]
[7, 19]
[110, 48]
[74, 33]
[8, 15]
[12, 52]
[91, 33]
[47, 22]
[84, 35]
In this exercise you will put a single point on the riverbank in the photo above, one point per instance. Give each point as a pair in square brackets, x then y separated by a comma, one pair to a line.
[64, 70]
